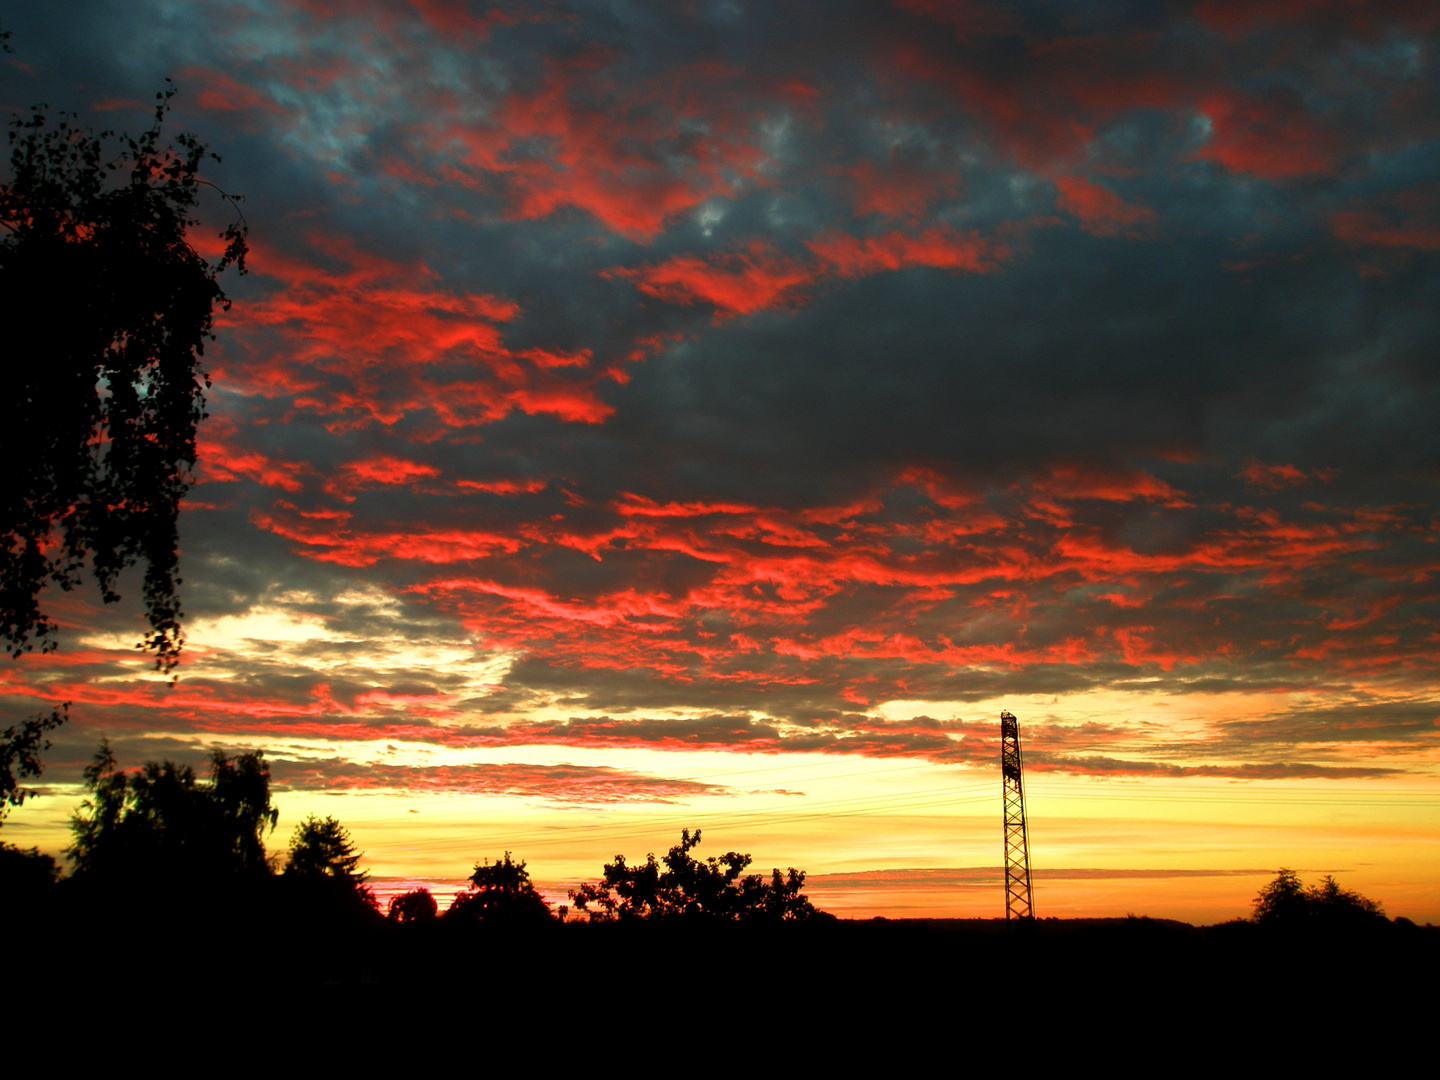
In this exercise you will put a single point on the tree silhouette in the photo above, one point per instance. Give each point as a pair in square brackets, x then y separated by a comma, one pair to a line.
[714, 890]
[1282, 899]
[1287, 901]
[20, 749]
[160, 822]
[1331, 901]
[500, 892]
[25, 872]
[321, 852]
[241, 809]
[105, 306]
[415, 906]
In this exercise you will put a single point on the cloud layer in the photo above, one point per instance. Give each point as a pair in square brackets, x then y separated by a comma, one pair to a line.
[716, 375]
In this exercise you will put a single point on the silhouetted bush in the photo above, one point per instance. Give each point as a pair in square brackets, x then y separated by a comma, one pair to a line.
[324, 862]
[26, 871]
[1287, 901]
[500, 892]
[161, 823]
[687, 888]
[415, 906]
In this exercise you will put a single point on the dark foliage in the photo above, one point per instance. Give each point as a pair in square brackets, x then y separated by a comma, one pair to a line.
[159, 822]
[20, 748]
[26, 871]
[500, 892]
[322, 847]
[690, 889]
[322, 853]
[105, 307]
[853, 983]
[415, 906]
[1286, 901]
[1282, 899]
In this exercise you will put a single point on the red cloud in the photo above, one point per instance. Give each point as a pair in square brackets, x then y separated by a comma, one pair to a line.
[639, 506]
[221, 460]
[504, 487]
[940, 246]
[1067, 483]
[736, 283]
[1055, 92]
[721, 593]
[549, 358]
[632, 159]
[380, 470]
[564, 401]
[1404, 219]
[1369, 227]
[385, 469]
[369, 340]
[1080, 482]
[739, 283]
[1043, 105]
[1273, 138]
[372, 310]
[329, 536]
[1263, 477]
[221, 92]
[895, 190]
[792, 579]
[872, 600]
[454, 17]
[1100, 210]
[939, 487]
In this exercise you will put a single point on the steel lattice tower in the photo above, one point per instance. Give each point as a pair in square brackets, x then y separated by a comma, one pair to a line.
[1017, 848]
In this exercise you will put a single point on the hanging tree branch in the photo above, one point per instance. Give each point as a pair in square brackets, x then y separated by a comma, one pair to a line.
[105, 307]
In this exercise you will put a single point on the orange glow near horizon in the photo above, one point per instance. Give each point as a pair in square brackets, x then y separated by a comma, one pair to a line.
[899, 837]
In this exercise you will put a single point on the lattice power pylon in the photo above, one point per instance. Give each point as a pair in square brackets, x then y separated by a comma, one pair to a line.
[1017, 848]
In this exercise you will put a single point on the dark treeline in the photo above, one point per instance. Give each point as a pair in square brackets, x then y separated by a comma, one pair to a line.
[171, 890]
[178, 895]
[158, 849]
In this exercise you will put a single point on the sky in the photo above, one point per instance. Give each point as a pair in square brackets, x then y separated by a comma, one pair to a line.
[712, 414]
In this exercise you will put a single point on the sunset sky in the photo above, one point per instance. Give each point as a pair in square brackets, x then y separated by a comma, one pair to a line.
[712, 414]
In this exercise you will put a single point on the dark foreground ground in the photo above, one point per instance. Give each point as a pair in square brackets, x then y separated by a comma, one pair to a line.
[193, 968]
